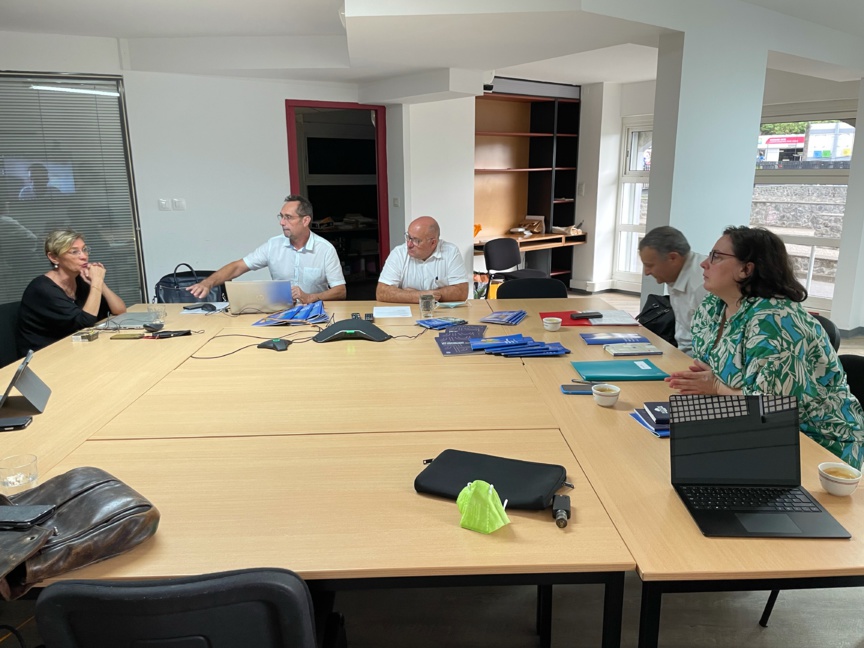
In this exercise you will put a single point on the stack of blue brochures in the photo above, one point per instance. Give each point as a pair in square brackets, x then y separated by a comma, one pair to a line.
[517, 346]
[456, 339]
[613, 338]
[303, 314]
[654, 416]
[505, 317]
[439, 323]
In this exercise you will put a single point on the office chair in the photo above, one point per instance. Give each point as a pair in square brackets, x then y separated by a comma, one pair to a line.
[831, 330]
[531, 289]
[503, 253]
[853, 365]
[265, 608]
[8, 326]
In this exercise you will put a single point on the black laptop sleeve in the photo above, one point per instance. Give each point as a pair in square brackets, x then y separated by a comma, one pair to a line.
[524, 484]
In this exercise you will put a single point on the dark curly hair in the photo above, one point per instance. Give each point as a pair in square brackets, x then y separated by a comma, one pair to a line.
[772, 274]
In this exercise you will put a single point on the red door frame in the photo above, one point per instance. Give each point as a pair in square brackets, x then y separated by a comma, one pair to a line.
[380, 154]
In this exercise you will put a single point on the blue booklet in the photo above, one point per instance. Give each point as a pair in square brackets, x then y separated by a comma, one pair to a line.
[660, 433]
[466, 331]
[454, 346]
[441, 322]
[642, 369]
[613, 338]
[487, 342]
[302, 314]
[536, 351]
[508, 318]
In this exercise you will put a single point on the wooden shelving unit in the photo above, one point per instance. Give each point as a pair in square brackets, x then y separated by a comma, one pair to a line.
[525, 161]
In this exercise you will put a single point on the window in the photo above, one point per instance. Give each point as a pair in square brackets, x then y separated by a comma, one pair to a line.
[64, 164]
[633, 205]
[799, 193]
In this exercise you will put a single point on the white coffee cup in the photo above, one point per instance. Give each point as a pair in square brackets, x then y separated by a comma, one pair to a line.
[551, 323]
[605, 395]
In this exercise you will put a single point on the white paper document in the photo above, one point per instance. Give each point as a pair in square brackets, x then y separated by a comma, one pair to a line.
[391, 311]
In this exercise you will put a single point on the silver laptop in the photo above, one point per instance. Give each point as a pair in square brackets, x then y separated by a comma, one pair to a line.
[245, 297]
[127, 321]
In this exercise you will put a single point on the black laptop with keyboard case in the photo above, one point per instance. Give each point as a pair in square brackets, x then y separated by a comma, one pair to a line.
[736, 465]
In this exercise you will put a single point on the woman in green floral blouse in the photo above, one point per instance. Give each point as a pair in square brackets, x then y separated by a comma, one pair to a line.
[752, 336]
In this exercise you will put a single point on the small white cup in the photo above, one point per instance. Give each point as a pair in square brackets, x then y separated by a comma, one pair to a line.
[551, 323]
[838, 479]
[605, 395]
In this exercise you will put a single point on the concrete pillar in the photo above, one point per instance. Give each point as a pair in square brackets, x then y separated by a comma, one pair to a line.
[707, 109]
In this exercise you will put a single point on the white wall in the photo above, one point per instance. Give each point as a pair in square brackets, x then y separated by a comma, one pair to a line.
[220, 144]
[599, 155]
[53, 53]
[439, 169]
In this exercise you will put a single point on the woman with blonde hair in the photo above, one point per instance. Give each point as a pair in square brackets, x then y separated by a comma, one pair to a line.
[71, 296]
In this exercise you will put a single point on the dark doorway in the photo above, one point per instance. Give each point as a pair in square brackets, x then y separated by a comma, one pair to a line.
[337, 159]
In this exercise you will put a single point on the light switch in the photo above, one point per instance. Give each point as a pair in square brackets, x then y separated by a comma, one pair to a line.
[178, 204]
[396, 202]
[164, 204]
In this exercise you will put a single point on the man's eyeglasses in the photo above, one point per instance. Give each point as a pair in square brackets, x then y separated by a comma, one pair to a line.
[415, 241]
[290, 217]
[716, 256]
[77, 253]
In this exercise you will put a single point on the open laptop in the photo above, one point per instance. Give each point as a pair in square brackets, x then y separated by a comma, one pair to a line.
[258, 296]
[736, 465]
[127, 321]
[29, 385]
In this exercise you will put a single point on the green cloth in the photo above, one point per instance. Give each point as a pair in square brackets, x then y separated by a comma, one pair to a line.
[481, 507]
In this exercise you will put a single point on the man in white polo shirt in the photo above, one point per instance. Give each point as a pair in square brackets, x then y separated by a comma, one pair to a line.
[422, 265]
[666, 256]
[299, 255]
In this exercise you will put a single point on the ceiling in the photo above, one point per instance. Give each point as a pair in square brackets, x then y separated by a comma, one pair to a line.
[306, 40]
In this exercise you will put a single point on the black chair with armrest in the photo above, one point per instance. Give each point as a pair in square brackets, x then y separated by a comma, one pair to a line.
[265, 608]
[500, 255]
[8, 327]
[532, 289]
[830, 329]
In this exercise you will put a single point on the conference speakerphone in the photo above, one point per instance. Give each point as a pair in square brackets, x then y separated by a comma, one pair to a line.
[352, 329]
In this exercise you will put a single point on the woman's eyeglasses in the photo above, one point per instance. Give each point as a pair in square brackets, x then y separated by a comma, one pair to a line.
[77, 253]
[716, 256]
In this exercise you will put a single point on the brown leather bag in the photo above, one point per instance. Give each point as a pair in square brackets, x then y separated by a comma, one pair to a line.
[97, 516]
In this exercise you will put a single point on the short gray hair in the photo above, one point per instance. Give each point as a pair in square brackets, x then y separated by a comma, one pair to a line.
[666, 239]
[304, 208]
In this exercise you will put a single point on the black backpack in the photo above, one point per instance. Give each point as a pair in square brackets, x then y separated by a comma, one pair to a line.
[658, 317]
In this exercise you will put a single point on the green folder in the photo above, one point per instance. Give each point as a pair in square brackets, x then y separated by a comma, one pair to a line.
[619, 370]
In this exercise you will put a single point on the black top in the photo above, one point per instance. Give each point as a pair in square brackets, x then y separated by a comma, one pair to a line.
[48, 314]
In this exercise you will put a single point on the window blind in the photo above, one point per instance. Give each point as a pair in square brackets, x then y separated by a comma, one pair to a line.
[64, 164]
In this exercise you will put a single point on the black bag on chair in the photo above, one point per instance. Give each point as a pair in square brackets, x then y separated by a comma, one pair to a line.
[171, 289]
[658, 317]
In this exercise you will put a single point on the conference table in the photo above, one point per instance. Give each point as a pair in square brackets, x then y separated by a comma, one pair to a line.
[305, 459]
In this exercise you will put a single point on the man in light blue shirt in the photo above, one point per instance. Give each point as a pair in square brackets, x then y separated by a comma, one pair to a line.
[299, 255]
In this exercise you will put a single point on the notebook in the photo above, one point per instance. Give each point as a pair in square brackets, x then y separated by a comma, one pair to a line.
[727, 451]
[619, 370]
[258, 296]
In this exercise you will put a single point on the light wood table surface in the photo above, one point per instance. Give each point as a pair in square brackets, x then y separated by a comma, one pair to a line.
[341, 511]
